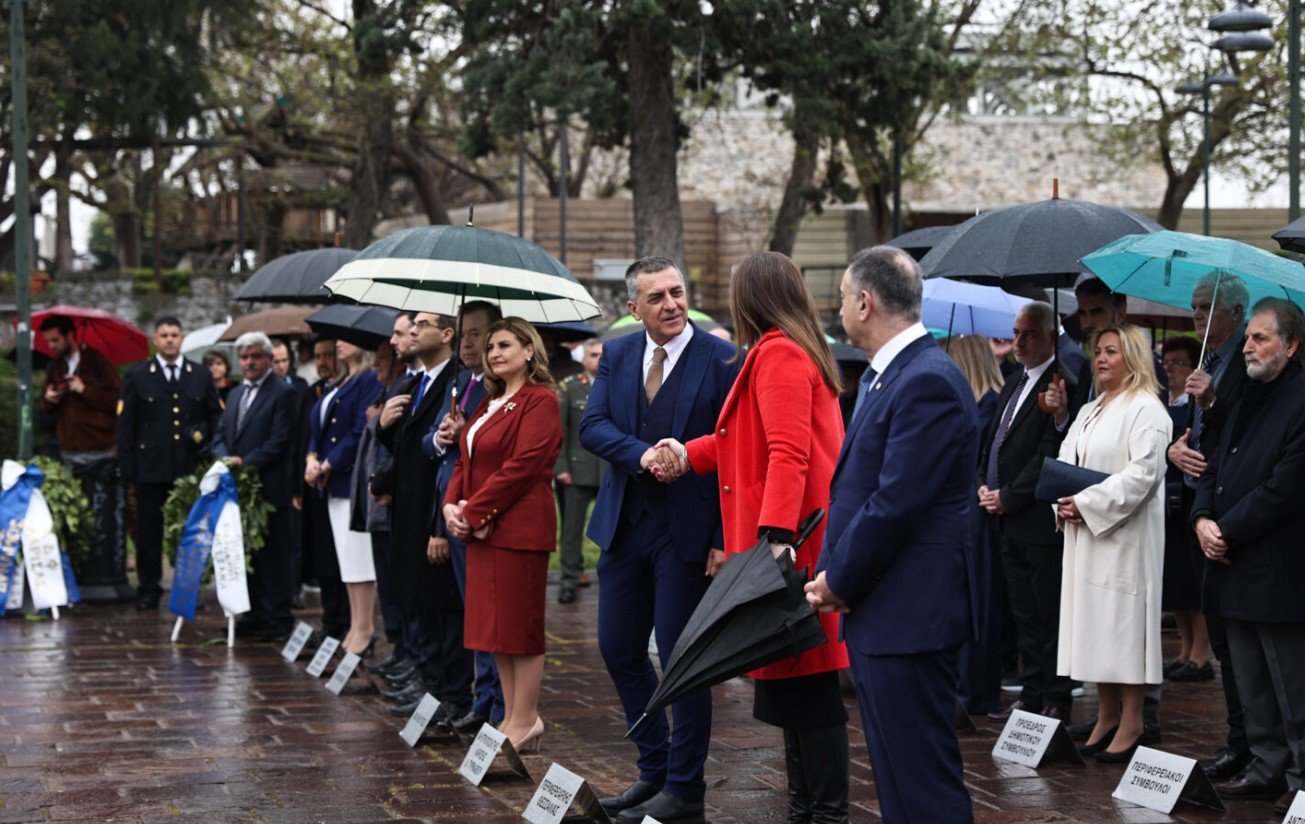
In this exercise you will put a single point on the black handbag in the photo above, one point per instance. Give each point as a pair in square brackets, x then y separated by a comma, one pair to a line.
[1062, 480]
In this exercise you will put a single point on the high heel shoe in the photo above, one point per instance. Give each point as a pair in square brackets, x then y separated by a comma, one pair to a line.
[1121, 757]
[368, 651]
[1100, 746]
[530, 741]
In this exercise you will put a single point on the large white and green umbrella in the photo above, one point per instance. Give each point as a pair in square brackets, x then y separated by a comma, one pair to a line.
[438, 268]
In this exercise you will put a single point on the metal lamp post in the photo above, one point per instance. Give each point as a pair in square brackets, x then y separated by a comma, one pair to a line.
[22, 228]
[1203, 89]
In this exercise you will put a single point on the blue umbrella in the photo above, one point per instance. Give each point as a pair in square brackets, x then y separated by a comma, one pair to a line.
[1165, 266]
[969, 309]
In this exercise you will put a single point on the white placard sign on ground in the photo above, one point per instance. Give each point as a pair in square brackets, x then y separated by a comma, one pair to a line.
[411, 732]
[1296, 813]
[647, 819]
[298, 640]
[1033, 740]
[487, 744]
[555, 795]
[1160, 780]
[323, 657]
[348, 664]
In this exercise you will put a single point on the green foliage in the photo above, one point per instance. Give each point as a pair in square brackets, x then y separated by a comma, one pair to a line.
[74, 522]
[254, 511]
[169, 281]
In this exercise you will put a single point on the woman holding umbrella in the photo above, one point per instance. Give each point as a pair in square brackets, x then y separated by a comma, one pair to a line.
[775, 447]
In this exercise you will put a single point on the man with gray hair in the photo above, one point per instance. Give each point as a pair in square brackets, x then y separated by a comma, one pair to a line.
[897, 560]
[256, 431]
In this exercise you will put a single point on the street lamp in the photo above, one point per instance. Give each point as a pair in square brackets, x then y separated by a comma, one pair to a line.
[22, 228]
[1203, 89]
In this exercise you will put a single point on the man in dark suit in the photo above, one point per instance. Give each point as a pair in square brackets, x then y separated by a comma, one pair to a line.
[1214, 388]
[283, 367]
[1248, 521]
[441, 444]
[166, 418]
[896, 558]
[1010, 459]
[420, 578]
[257, 431]
[660, 542]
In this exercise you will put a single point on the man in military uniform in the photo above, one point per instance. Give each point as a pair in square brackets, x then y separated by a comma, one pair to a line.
[166, 415]
[578, 470]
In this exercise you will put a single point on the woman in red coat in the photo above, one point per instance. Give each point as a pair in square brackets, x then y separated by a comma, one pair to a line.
[774, 450]
[500, 501]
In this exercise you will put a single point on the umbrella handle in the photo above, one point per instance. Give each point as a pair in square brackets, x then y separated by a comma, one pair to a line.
[808, 526]
[1042, 396]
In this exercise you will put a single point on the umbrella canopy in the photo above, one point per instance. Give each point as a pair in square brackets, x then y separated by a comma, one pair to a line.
[918, 242]
[118, 340]
[1036, 243]
[969, 309]
[283, 322]
[1292, 236]
[754, 613]
[437, 268]
[567, 330]
[364, 326]
[204, 337]
[295, 278]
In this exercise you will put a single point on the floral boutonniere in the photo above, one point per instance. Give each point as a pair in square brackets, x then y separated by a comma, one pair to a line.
[509, 406]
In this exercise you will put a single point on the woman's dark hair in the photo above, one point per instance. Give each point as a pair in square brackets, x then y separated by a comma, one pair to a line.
[1183, 343]
[767, 292]
[213, 356]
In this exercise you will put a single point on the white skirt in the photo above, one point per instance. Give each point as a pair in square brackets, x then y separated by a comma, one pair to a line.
[353, 550]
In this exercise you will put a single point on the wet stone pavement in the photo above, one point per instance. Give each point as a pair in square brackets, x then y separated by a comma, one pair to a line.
[101, 718]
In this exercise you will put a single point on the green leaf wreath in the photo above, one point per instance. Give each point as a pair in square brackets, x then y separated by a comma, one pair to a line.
[74, 522]
[254, 511]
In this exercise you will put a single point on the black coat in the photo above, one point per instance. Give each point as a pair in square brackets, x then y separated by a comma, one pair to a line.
[266, 440]
[1226, 395]
[414, 581]
[165, 430]
[1252, 489]
[1032, 436]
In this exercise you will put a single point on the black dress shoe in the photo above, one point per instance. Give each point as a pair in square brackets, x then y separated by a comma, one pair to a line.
[405, 695]
[1150, 737]
[385, 665]
[1122, 757]
[1170, 666]
[1226, 765]
[1191, 672]
[1004, 715]
[1058, 713]
[1282, 805]
[277, 635]
[1092, 749]
[566, 595]
[470, 723]
[1243, 786]
[635, 794]
[666, 809]
[146, 601]
[407, 708]
[401, 674]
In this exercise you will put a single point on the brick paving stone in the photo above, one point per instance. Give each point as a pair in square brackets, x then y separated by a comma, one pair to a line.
[102, 718]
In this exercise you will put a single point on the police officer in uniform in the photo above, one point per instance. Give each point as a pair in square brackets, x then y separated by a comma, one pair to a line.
[166, 415]
[578, 471]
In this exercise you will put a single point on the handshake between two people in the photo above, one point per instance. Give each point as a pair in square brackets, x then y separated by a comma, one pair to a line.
[667, 460]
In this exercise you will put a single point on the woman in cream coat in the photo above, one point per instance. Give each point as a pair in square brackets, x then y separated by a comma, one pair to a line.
[1114, 540]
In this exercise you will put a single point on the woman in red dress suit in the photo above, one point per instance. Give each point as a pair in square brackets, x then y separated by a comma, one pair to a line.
[774, 450]
[500, 501]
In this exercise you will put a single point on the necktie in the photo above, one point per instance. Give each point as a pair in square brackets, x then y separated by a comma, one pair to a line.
[421, 392]
[172, 373]
[246, 398]
[466, 393]
[654, 381]
[867, 378]
[1003, 429]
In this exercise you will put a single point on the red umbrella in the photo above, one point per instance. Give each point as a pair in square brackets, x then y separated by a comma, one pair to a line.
[119, 341]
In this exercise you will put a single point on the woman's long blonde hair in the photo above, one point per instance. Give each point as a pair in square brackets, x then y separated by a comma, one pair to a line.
[1136, 349]
[974, 357]
[536, 368]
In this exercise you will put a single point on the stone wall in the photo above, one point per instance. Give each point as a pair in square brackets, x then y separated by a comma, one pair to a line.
[208, 302]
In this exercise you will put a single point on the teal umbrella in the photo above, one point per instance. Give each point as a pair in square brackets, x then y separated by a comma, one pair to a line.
[438, 268]
[1165, 266]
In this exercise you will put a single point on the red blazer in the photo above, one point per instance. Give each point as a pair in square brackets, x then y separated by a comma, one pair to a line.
[508, 480]
[774, 450]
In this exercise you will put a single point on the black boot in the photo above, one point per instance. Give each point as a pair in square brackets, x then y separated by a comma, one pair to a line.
[799, 799]
[826, 767]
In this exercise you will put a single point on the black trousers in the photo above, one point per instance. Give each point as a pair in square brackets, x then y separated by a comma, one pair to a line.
[1033, 583]
[391, 613]
[272, 585]
[446, 667]
[1214, 624]
[149, 536]
[319, 546]
[1270, 660]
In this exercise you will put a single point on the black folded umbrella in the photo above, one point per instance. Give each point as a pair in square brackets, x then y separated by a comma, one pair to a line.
[754, 613]
[364, 326]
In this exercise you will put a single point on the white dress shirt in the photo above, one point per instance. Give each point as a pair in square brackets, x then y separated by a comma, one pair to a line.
[890, 350]
[1033, 375]
[674, 348]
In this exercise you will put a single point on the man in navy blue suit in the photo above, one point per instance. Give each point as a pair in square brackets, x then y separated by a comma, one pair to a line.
[896, 559]
[441, 444]
[661, 543]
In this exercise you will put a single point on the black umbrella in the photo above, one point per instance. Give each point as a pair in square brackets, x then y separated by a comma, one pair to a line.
[754, 613]
[295, 278]
[918, 242]
[567, 330]
[1292, 236]
[365, 326]
[847, 353]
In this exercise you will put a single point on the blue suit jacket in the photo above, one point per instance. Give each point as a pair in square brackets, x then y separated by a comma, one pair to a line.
[449, 459]
[612, 418]
[265, 442]
[337, 440]
[897, 544]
